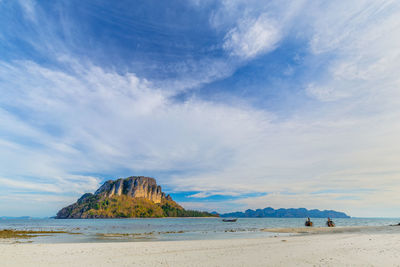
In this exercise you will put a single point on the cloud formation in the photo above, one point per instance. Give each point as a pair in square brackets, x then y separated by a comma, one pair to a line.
[252, 37]
[67, 122]
[92, 121]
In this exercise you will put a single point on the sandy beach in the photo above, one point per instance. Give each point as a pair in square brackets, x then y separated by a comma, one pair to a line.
[347, 248]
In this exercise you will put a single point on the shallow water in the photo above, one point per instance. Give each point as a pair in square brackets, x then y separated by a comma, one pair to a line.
[119, 230]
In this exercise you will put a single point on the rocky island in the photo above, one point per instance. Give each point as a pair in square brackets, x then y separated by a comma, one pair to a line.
[132, 197]
[286, 213]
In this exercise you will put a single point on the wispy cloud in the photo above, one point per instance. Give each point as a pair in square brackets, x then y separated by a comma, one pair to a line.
[325, 94]
[252, 37]
[67, 121]
[96, 121]
[28, 7]
[29, 185]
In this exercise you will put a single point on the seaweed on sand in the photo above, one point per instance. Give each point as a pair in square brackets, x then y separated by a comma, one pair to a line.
[19, 234]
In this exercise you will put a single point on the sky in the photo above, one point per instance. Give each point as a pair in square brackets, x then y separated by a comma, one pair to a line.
[230, 105]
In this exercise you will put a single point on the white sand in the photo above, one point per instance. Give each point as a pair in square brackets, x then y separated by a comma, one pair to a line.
[351, 249]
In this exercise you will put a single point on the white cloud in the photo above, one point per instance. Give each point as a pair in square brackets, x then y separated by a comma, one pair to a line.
[90, 120]
[252, 37]
[254, 28]
[361, 38]
[346, 139]
[85, 119]
[193, 74]
[325, 93]
[29, 185]
[206, 194]
[28, 6]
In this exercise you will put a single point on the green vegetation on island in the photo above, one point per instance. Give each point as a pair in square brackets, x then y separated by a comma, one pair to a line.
[133, 197]
[95, 206]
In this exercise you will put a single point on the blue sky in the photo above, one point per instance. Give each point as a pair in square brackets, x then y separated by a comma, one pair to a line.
[228, 104]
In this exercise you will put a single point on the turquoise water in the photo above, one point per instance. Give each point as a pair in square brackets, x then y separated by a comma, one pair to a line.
[112, 230]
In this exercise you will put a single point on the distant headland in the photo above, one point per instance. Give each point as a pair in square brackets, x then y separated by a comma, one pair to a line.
[286, 213]
[132, 197]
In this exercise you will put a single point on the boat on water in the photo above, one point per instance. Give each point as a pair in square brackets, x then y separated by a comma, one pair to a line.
[330, 223]
[229, 220]
[308, 223]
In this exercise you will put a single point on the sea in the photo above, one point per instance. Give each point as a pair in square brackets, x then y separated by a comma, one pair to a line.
[166, 229]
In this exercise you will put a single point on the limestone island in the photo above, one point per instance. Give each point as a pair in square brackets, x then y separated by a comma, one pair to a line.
[132, 197]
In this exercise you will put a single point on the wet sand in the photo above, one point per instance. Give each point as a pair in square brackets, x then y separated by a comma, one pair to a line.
[351, 246]
[333, 230]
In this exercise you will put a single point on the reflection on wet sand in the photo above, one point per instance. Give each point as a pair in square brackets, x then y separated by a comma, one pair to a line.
[326, 230]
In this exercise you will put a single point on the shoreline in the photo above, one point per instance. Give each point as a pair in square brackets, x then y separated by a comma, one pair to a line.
[330, 230]
[351, 248]
[10, 236]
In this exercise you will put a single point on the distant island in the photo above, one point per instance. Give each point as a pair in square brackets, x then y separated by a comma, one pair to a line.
[286, 213]
[132, 197]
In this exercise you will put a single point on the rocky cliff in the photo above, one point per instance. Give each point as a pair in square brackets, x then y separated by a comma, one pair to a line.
[135, 186]
[135, 196]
